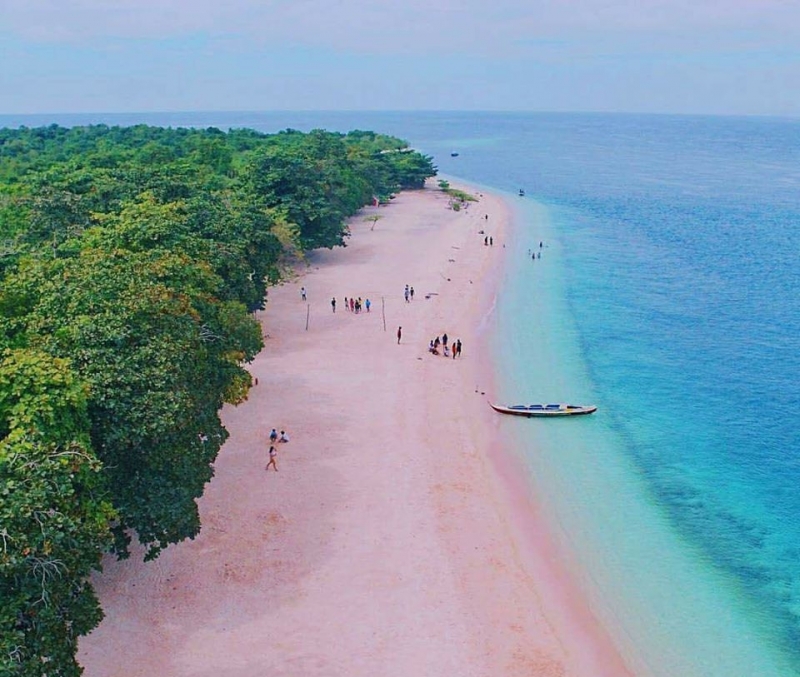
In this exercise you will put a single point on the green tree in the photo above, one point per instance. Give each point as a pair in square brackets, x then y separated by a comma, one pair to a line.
[54, 516]
[160, 353]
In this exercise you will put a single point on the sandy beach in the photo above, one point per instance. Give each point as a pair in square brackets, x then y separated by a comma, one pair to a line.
[396, 538]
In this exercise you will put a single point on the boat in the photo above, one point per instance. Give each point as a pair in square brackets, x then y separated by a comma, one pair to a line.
[453, 154]
[521, 192]
[545, 409]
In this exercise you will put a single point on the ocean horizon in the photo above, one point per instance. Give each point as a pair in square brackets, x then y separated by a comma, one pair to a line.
[667, 294]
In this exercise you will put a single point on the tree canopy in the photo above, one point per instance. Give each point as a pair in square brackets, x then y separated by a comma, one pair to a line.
[131, 261]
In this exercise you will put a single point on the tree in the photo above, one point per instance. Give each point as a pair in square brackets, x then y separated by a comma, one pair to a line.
[54, 516]
[160, 353]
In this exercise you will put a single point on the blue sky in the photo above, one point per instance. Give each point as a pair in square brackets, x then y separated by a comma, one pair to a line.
[669, 56]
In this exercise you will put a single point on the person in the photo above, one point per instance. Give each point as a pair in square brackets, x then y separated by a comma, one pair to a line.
[284, 437]
[540, 244]
[303, 293]
[346, 307]
[406, 293]
[333, 304]
[273, 436]
[367, 304]
[539, 255]
[411, 291]
[352, 305]
[436, 342]
[444, 339]
[486, 240]
[273, 455]
[399, 334]
[446, 351]
[491, 242]
[458, 347]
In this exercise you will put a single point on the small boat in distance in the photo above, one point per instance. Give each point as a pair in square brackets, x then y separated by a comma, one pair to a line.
[521, 192]
[545, 409]
[453, 154]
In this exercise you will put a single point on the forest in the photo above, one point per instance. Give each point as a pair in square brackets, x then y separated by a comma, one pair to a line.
[132, 260]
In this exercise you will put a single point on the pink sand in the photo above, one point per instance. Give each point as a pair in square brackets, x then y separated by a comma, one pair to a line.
[396, 540]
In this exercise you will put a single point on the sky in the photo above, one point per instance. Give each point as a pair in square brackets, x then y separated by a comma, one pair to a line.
[734, 57]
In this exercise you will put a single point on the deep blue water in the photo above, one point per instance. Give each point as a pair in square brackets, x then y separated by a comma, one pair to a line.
[678, 243]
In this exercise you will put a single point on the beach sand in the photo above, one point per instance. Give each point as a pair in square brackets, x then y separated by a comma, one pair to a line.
[396, 539]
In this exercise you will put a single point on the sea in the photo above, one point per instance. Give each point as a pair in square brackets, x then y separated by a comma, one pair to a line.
[653, 270]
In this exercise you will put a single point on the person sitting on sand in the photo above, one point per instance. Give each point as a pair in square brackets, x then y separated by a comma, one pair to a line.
[273, 436]
[446, 351]
[284, 437]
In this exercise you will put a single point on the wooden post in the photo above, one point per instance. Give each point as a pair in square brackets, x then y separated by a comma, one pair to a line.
[383, 312]
[308, 312]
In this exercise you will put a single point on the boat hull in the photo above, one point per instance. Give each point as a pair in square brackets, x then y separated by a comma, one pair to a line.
[545, 411]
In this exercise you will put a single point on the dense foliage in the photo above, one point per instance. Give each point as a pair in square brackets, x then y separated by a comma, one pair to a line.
[131, 260]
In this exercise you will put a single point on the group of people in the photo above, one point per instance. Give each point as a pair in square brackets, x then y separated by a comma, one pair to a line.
[447, 350]
[356, 305]
[273, 452]
[408, 294]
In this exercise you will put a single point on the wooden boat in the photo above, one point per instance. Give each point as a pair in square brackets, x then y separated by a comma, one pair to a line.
[545, 409]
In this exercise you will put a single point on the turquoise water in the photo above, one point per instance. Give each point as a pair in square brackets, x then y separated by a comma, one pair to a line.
[668, 293]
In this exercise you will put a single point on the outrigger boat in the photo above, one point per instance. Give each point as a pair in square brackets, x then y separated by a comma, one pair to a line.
[545, 409]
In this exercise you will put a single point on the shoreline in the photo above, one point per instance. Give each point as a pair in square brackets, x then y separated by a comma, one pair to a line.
[398, 537]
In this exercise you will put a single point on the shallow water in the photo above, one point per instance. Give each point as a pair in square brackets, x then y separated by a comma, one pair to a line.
[668, 294]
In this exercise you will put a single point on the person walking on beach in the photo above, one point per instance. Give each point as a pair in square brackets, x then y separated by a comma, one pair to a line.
[352, 305]
[333, 304]
[367, 304]
[346, 307]
[399, 334]
[303, 293]
[444, 339]
[273, 462]
[411, 292]
[406, 293]
[458, 347]
[491, 242]
[486, 241]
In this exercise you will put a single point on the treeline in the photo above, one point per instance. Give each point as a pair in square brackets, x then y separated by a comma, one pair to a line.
[131, 260]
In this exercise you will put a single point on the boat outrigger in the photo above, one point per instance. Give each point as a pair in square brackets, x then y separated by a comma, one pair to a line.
[545, 409]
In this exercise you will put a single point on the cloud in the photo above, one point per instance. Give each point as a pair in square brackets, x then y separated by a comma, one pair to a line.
[403, 25]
